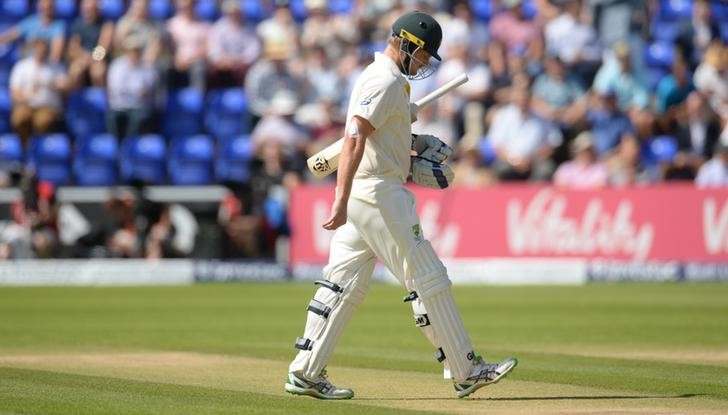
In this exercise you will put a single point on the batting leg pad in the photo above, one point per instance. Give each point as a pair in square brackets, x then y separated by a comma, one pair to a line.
[430, 280]
[328, 313]
[422, 320]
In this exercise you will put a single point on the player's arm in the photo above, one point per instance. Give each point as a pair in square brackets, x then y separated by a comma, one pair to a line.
[357, 131]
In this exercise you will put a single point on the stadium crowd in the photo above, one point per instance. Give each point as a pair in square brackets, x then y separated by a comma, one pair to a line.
[582, 93]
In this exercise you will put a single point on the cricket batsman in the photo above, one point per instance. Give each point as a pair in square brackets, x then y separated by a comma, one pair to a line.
[374, 216]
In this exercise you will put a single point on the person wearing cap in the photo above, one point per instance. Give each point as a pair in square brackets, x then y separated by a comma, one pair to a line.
[232, 47]
[374, 217]
[618, 75]
[610, 125]
[36, 86]
[131, 88]
[584, 170]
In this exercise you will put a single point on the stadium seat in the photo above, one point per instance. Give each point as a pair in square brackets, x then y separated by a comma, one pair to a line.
[676, 9]
[341, 6]
[50, 157]
[160, 9]
[11, 11]
[5, 105]
[232, 164]
[226, 113]
[482, 9]
[660, 149]
[207, 10]
[11, 150]
[95, 162]
[529, 9]
[183, 114]
[660, 54]
[85, 112]
[190, 160]
[143, 159]
[111, 9]
[298, 10]
[66, 9]
[486, 150]
[665, 31]
[254, 10]
[719, 10]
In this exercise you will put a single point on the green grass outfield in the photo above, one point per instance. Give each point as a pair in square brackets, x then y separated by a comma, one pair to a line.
[224, 349]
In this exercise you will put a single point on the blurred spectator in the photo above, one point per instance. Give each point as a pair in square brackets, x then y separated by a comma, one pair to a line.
[172, 235]
[280, 27]
[572, 38]
[232, 48]
[33, 230]
[278, 127]
[465, 28]
[512, 28]
[189, 36]
[245, 231]
[711, 78]
[89, 47]
[470, 171]
[609, 124]
[697, 130]
[674, 88]
[625, 166]
[616, 74]
[584, 171]
[135, 23]
[41, 25]
[523, 142]
[132, 86]
[704, 30]
[714, 173]
[323, 30]
[36, 86]
[271, 74]
[558, 96]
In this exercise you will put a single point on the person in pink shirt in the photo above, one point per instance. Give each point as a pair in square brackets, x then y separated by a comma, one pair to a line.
[584, 171]
[189, 36]
[512, 28]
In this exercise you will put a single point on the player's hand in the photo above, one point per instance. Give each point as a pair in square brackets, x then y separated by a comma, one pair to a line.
[337, 218]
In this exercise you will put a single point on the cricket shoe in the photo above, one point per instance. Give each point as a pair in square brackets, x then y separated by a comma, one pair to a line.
[319, 388]
[484, 374]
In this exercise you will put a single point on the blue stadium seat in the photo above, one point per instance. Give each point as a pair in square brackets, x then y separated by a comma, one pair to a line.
[719, 10]
[660, 54]
[96, 160]
[183, 114]
[5, 106]
[191, 159]
[13, 10]
[482, 9]
[11, 150]
[724, 31]
[529, 9]
[232, 164]
[341, 6]
[111, 9]
[254, 10]
[85, 112]
[676, 9]
[207, 10]
[50, 157]
[143, 159]
[486, 150]
[660, 149]
[160, 9]
[226, 113]
[298, 10]
[663, 30]
[66, 9]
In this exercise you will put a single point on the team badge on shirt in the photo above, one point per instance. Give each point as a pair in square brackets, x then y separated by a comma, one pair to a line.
[365, 102]
[417, 232]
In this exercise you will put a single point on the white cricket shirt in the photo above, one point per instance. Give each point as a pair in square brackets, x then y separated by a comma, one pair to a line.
[381, 96]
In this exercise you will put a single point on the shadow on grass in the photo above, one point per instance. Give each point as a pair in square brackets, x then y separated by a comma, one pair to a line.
[539, 398]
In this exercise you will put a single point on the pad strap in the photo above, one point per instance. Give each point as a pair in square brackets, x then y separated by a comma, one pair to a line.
[303, 344]
[412, 296]
[317, 307]
[330, 285]
[440, 355]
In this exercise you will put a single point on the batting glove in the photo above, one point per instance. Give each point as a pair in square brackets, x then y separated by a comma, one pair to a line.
[430, 174]
[430, 147]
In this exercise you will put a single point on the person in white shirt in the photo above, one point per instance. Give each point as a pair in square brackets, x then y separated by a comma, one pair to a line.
[36, 86]
[374, 217]
[523, 142]
[714, 173]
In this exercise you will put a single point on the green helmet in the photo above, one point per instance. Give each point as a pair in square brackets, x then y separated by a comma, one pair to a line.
[421, 29]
